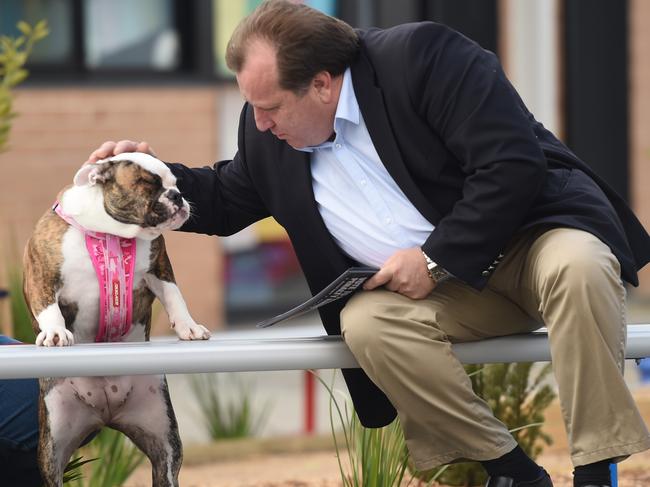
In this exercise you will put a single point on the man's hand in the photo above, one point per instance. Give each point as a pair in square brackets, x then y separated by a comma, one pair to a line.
[110, 148]
[404, 272]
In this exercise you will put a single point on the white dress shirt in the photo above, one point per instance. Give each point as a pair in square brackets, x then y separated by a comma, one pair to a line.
[363, 208]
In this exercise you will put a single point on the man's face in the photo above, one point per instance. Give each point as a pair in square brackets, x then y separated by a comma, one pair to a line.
[300, 120]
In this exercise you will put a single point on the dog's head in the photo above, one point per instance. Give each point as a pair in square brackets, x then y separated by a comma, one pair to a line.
[137, 190]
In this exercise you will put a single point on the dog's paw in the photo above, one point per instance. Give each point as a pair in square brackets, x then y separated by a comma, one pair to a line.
[55, 337]
[191, 331]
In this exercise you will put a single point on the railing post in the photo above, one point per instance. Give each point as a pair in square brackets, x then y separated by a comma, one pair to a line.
[310, 402]
[613, 473]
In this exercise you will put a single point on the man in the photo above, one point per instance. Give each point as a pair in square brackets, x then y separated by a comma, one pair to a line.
[408, 149]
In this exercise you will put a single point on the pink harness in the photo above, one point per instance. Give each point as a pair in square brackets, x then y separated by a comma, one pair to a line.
[114, 261]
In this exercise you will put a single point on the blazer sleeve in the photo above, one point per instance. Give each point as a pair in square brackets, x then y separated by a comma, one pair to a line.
[463, 94]
[223, 197]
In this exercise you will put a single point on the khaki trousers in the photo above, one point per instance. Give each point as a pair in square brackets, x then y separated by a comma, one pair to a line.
[564, 278]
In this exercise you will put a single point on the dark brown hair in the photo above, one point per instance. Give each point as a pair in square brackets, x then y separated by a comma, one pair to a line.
[306, 41]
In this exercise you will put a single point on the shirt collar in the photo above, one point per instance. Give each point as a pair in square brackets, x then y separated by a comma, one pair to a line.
[347, 110]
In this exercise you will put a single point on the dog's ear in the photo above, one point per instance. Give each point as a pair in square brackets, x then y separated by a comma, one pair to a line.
[91, 174]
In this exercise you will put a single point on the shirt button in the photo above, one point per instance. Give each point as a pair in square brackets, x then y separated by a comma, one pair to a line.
[338, 146]
[388, 220]
[362, 182]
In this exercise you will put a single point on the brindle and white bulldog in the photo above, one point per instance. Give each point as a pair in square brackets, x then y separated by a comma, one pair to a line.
[133, 196]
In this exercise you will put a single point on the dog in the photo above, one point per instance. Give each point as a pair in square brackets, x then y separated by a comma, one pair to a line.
[111, 219]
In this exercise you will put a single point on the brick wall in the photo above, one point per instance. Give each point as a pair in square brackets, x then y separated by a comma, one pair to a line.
[56, 130]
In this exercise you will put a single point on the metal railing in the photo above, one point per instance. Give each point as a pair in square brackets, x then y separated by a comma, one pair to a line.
[239, 352]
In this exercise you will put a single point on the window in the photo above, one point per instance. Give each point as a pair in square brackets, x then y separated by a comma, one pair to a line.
[112, 40]
[126, 34]
[226, 16]
[57, 49]
[128, 41]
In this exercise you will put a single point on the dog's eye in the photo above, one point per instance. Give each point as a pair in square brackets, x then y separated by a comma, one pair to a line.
[147, 182]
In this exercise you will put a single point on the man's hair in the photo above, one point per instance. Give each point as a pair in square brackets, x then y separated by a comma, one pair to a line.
[306, 41]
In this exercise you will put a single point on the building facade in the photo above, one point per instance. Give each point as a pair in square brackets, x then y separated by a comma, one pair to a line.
[153, 70]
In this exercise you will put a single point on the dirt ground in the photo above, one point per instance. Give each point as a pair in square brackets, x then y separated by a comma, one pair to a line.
[311, 462]
[320, 469]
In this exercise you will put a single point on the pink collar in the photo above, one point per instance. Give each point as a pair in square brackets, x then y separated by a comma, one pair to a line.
[113, 258]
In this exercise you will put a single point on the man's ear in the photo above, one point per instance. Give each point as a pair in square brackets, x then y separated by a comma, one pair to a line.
[91, 174]
[322, 83]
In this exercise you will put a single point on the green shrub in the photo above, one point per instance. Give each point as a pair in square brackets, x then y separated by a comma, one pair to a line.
[379, 457]
[233, 419]
[114, 458]
[20, 324]
[21, 318]
[14, 53]
[518, 398]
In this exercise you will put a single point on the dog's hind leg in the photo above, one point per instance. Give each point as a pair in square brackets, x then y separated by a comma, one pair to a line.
[65, 422]
[148, 419]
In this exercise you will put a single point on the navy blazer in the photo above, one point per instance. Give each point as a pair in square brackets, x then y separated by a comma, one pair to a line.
[458, 140]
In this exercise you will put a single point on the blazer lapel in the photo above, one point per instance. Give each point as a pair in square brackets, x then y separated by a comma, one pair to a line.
[372, 106]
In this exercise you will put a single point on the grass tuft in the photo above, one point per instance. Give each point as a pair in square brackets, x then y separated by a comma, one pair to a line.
[227, 419]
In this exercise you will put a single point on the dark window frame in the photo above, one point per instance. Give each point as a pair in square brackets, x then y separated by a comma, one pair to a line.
[477, 19]
[192, 21]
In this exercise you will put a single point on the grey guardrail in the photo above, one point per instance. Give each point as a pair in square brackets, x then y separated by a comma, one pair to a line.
[227, 354]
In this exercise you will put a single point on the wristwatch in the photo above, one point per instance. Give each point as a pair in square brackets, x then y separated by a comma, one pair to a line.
[436, 272]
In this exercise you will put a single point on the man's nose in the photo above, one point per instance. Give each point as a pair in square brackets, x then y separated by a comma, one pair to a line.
[262, 120]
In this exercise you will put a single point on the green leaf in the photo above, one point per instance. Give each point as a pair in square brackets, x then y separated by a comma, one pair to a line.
[6, 43]
[39, 33]
[13, 56]
[41, 27]
[16, 77]
[24, 27]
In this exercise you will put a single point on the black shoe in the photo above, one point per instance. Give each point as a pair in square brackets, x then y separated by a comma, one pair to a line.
[543, 481]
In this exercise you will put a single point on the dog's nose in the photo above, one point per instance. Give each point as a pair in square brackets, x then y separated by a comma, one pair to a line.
[175, 197]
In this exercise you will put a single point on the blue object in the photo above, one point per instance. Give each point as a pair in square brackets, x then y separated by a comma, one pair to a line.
[18, 409]
[644, 370]
[613, 472]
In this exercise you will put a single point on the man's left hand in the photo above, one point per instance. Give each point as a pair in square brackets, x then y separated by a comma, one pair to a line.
[404, 272]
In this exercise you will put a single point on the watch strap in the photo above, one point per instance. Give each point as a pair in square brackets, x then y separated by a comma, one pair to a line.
[436, 272]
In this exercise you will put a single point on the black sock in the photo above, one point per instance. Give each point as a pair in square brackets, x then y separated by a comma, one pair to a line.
[516, 465]
[592, 474]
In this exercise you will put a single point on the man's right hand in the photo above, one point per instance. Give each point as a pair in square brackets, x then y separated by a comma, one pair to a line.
[110, 148]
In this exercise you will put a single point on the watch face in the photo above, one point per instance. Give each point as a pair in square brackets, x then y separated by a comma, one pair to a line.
[439, 274]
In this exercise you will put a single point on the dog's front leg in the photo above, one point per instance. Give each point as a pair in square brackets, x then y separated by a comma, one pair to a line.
[52, 328]
[42, 283]
[49, 323]
[179, 316]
